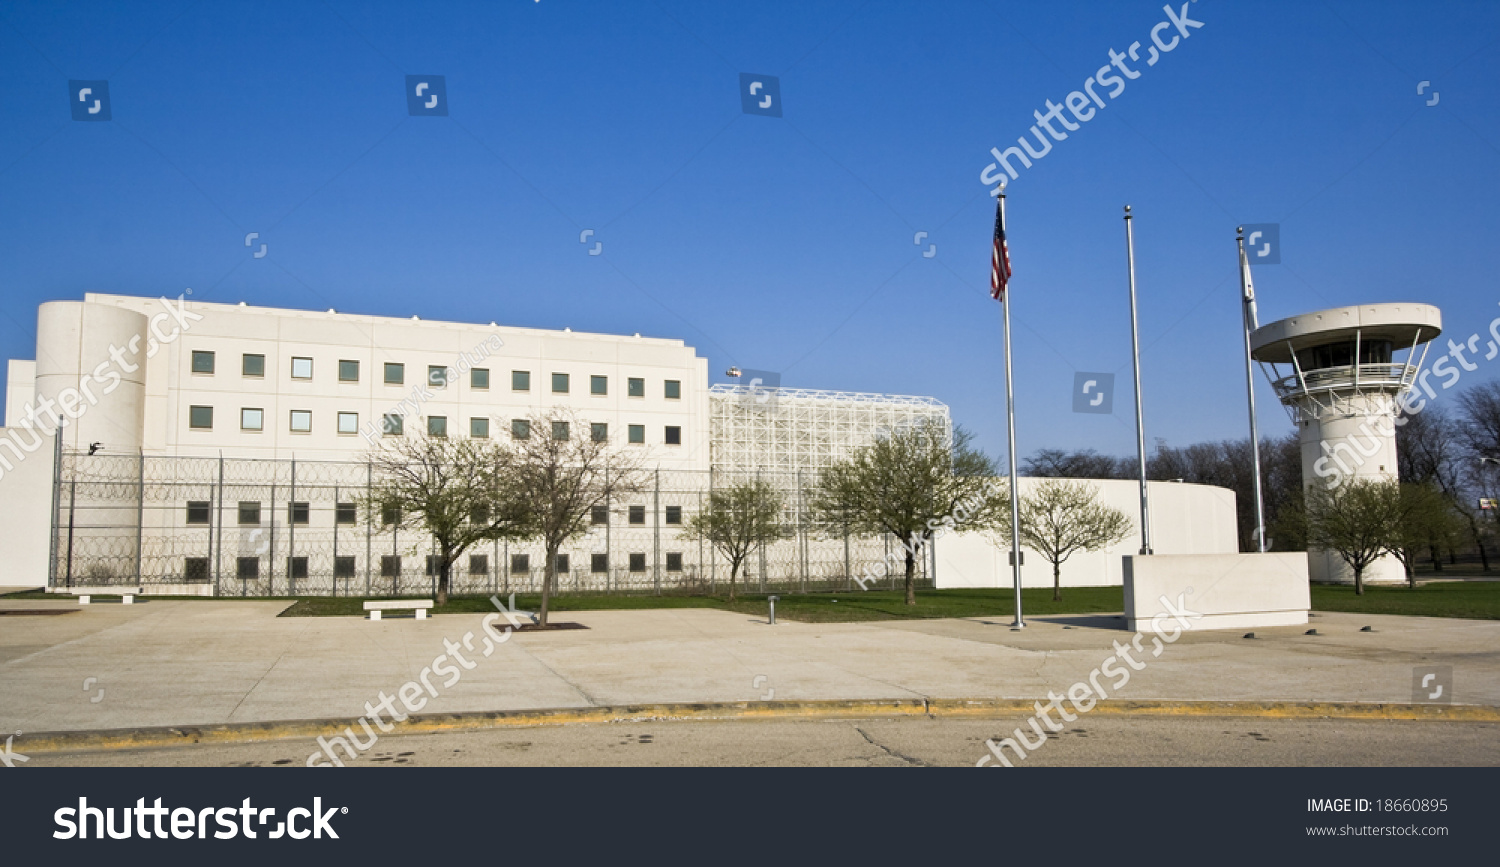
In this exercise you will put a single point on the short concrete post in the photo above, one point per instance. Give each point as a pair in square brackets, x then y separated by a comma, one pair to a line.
[772, 600]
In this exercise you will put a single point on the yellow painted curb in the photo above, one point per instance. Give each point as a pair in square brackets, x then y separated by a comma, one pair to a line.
[240, 733]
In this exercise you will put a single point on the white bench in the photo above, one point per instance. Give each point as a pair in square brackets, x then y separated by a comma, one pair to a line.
[126, 594]
[375, 606]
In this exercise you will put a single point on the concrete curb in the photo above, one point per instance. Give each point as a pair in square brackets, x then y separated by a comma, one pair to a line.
[239, 733]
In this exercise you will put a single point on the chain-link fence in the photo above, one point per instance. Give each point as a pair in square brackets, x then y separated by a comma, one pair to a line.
[246, 527]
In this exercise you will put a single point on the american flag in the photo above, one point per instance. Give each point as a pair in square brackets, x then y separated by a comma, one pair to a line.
[1000, 256]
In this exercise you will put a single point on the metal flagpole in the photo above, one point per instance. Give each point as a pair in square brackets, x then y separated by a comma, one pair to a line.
[1010, 432]
[1248, 295]
[1135, 354]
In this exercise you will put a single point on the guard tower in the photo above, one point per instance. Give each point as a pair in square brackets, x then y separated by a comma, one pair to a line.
[1339, 373]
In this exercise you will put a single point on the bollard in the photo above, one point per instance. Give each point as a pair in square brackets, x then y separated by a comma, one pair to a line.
[772, 600]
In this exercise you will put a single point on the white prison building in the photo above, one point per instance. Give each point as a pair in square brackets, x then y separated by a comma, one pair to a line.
[219, 449]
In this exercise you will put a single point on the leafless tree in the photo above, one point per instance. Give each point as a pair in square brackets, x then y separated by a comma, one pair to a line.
[460, 491]
[563, 469]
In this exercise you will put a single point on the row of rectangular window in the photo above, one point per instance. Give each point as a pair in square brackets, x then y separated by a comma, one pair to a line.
[300, 421]
[298, 512]
[196, 569]
[395, 374]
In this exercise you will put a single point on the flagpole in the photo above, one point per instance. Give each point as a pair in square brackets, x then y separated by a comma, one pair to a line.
[1247, 295]
[1010, 432]
[1135, 353]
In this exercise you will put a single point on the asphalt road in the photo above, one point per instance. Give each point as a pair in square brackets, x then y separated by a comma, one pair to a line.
[923, 742]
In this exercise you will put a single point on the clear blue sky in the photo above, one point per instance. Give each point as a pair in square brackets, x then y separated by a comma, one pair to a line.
[782, 244]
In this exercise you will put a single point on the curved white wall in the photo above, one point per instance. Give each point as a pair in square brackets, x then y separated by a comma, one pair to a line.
[75, 367]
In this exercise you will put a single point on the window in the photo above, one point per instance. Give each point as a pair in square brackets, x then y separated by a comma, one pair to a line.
[434, 566]
[390, 566]
[203, 362]
[673, 389]
[301, 421]
[599, 431]
[520, 380]
[197, 512]
[520, 563]
[348, 371]
[637, 433]
[479, 378]
[674, 515]
[637, 514]
[249, 514]
[437, 425]
[297, 512]
[296, 567]
[637, 562]
[598, 563]
[395, 373]
[201, 417]
[480, 514]
[247, 568]
[674, 435]
[391, 424]
[520, 429]
[599, 515]
[479, 428]
[389, 515]
[674, 561]
[301, 368]
[252, 365]
[562, 563]
[479, 564]
[345, 513]
[195, 569]
[348, 422]
[635, 387]
[559, 430]
[437, 377]
[598, 385]
[559, 383]
[343, 567]
[252, 418]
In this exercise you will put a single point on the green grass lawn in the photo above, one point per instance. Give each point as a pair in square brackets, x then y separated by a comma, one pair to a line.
[1479, 600]
[812, 607]
[1470, 599]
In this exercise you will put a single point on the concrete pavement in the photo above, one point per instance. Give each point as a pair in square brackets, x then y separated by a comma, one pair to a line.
[172, 663]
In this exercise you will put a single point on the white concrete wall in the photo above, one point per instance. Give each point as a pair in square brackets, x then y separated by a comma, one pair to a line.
[1185, 519]
[151, 408]
[25, 502]
[1231, 591]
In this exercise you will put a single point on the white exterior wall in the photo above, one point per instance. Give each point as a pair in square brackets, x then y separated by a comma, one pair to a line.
[25, 498]
[1185, 519]
[153, 412]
